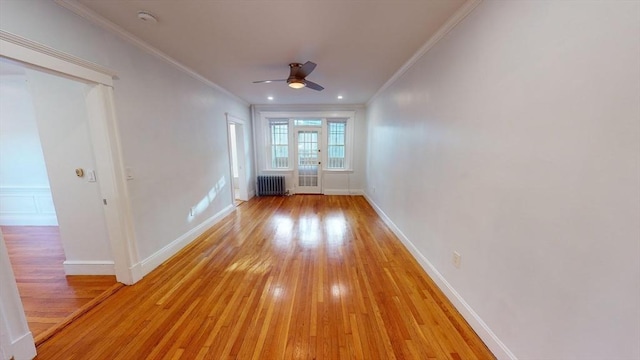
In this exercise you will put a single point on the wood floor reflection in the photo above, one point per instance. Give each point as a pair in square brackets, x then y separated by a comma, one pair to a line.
[48, 296]
[300, 277]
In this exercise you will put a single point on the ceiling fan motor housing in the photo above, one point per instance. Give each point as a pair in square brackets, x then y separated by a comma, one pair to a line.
[297, 76]
[298, 82]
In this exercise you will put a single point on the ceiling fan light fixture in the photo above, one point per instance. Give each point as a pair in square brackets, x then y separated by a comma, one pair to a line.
[297, 84]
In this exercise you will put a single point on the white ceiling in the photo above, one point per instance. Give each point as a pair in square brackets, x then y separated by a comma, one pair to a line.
[358, 45]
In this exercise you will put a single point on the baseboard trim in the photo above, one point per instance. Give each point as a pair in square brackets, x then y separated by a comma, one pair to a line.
[492, 341]
[89, 267]
[149, 264]
[24, 347]
[30, 220]
[136, 273]
[343, 192]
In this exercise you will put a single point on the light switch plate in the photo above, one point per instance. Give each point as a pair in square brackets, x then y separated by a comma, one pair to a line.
[91, 176]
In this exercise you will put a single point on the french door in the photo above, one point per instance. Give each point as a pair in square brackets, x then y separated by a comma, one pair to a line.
[308, 166]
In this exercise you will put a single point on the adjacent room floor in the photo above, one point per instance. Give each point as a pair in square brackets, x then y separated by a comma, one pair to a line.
[48, 296]
[299, 277]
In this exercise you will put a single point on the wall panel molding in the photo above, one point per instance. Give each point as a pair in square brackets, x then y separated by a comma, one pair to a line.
[27, 206]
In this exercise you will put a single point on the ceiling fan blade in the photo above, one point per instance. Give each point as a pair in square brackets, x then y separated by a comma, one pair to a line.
[305, 69]
[268, 81]
[314, 86]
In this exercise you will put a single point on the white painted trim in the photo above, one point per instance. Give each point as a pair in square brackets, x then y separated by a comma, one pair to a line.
[307, 107]
[24, 347]
[30, 220]
[242, 182]
[15, 338]
[492, 341]
[149, 264]
[18, 48]
[29, 210]
[23, 189]
[99, 20]
[464, 10]
[136, 272]
[6, 347]
[309, 114]
[105, 139]
[89, 267]
[343, 192]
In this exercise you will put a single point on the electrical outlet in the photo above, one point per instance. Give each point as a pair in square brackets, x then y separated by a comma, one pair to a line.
[457, 259]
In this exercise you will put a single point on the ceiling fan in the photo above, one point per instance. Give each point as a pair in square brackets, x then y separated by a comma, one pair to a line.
[297, 76]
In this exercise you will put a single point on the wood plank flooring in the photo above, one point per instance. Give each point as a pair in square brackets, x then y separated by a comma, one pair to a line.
[48, 296]
[300, 277]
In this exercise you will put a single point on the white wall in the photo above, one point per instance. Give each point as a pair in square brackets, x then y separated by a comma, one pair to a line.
[172, 126]
[25, 197]
[516, 142]
[333, 182]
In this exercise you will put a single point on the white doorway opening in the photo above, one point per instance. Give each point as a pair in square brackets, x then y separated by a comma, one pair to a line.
[103, 136]
[237, 159]
[308, 166]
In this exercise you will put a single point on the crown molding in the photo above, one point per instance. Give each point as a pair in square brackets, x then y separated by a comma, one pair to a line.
[99, 20]
[18, 48]
[462, 13]
[308, 107]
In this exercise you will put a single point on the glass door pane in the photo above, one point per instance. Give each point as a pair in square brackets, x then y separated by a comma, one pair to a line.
[308, 164]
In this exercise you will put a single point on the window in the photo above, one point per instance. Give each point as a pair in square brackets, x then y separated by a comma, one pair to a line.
[336, 142]
[308, 122]
[275, 135]
[279, 131]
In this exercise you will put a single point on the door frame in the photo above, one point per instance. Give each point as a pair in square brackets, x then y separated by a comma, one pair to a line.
[103, 131]
[240, 129]
[296, 131]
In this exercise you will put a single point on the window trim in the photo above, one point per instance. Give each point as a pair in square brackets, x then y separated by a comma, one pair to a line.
[269, 144]
[327, 134]
[265, 134]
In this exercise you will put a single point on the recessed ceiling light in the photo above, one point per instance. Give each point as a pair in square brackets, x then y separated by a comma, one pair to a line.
[339, 97]
[269, 97]
[147, 17]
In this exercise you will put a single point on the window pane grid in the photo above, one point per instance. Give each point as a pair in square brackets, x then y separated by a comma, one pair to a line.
[279, 144]
[336, 144]
[307, 122]
[308, 158]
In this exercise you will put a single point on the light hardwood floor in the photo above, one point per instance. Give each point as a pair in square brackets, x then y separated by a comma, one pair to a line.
[48, 296]
[300, 277]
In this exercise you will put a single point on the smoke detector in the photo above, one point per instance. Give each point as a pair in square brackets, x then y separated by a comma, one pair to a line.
[147, 17]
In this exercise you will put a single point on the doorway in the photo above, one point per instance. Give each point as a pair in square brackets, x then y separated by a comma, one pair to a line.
[308, 166]
[50, 215]
[237, 159]
[98, 98]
